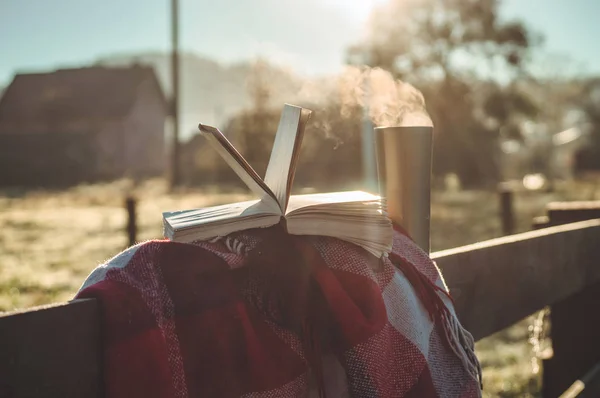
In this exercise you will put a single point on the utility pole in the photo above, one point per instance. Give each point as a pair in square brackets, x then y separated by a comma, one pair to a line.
[175, 166]
[369, 160]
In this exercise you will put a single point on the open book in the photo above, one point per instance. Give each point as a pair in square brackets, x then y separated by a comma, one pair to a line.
[356, 217]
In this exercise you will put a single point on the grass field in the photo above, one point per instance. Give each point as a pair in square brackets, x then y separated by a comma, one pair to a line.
[50, 241]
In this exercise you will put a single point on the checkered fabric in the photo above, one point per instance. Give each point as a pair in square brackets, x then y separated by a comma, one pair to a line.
[181, 320]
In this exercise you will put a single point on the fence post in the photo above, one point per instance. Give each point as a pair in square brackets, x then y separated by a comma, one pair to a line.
[506, 195]
[575, 321]
[130, 204]
[540, 222]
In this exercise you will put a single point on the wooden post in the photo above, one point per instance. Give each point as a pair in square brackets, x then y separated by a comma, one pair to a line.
[506, 196]
[175, 150]
[575, 321]
[130, 204]
[540, 222]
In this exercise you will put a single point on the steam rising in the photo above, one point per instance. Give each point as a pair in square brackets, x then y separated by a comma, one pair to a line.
[389, 102]
[393, 102]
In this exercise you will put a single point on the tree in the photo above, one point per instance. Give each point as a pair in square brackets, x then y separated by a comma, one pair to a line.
[589, 158]
[504, 106]
[458, 52]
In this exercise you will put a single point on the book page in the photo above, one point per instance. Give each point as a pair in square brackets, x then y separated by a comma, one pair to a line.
[356, 217]
[284, 155]
[239, 165]
[299, 202]
[209, 222]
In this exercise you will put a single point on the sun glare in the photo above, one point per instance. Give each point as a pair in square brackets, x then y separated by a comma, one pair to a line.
[356, 9]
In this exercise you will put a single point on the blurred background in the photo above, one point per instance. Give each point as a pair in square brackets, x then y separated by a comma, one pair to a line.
[99, 102]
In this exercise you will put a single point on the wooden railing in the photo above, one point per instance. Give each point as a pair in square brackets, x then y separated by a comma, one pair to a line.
[54, 351]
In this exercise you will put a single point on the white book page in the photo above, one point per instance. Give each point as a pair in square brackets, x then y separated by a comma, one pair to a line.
[376, 237]
[214, 221]
[332, 200]
[239, 165]
[284, 155]
[356, 217]
[212, 214]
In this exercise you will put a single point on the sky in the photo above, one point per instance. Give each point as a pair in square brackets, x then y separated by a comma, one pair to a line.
[309, 35]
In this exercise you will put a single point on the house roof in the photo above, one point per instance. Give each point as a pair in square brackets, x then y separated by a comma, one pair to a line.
[60, 98]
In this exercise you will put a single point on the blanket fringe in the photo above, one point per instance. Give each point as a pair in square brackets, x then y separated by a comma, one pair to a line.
[458, 339]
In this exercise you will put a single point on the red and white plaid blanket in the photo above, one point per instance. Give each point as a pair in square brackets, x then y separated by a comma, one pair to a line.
[177, 322]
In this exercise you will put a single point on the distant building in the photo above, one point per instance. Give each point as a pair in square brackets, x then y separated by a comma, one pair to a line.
[87, 124]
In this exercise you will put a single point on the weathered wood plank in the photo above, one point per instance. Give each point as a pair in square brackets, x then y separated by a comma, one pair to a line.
[500, 281]
[51, 351]
[574, 333]
[576, 320]
[568, 212]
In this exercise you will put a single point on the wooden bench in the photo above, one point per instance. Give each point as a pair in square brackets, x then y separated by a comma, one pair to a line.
[54, 351]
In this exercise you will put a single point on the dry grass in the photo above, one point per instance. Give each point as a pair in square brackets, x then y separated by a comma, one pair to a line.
[50, 241]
